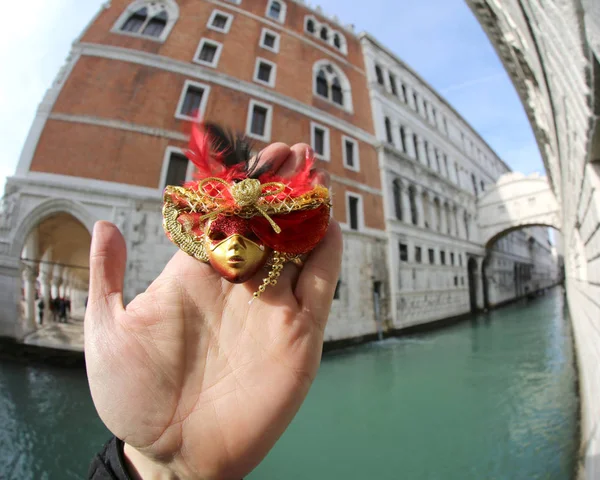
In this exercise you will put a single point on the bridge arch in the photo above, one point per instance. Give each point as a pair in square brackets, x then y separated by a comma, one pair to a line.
[46, 209]
[51, 244]
[517, 201]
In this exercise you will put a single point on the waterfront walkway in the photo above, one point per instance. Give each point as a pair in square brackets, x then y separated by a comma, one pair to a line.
[62, 336]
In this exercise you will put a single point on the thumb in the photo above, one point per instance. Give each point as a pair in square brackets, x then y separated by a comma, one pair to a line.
[108, 256]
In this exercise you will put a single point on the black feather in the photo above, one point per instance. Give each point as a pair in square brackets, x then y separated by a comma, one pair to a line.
[235, 149]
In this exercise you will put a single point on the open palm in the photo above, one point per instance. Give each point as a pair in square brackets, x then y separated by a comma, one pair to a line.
[190, 374]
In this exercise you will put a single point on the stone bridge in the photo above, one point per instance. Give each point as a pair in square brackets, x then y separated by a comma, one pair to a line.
[514, 202]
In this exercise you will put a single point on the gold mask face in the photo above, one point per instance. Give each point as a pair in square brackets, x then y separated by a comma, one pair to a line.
[233, 250]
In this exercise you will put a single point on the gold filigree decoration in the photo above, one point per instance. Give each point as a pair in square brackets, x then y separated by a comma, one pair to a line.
[186, 241]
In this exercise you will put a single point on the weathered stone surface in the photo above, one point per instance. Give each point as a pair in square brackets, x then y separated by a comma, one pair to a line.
[558, 41]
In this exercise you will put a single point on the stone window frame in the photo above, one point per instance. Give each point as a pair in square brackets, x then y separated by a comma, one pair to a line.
[203, 102]
[215, 61]
[403, 250]
[282, 14]
[268, 121]
[169, 6]
[360, 214]
[228, 22]
[344, 83]
[277, 36]
[170, 150]
[356, 167]
[272, 76]
[326, 156]
[332, 33]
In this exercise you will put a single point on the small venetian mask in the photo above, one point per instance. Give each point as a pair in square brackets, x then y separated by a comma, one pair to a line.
[240, 217]
[233, 249]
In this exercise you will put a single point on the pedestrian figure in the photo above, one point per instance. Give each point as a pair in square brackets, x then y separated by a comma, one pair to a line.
[62, 310]
[41, 310]
[56, 311]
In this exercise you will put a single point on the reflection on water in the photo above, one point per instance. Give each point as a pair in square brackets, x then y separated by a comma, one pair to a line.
[493, 398]
[50, 429]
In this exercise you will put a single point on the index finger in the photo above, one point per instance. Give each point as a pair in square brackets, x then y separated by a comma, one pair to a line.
[318, 279]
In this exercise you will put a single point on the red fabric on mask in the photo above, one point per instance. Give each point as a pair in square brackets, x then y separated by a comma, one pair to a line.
[301, 231]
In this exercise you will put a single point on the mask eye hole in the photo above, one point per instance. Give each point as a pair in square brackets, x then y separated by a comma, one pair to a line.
[217, 236]
[252, 237]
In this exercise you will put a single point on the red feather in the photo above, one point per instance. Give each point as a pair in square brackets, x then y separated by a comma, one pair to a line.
[209, 163]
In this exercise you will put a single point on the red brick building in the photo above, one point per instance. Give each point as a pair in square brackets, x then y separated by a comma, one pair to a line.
[110, 131]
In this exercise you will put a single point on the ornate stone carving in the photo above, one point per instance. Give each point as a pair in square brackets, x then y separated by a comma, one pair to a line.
[7, 210]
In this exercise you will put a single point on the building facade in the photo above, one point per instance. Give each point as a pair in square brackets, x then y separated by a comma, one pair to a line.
[434, 168]
[406, 169]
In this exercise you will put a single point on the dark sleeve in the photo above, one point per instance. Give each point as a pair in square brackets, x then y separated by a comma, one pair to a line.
[109, 464]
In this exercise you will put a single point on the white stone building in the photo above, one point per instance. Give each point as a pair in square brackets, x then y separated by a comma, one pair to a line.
[434, 168]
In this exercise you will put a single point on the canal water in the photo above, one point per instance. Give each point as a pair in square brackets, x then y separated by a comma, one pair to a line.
[490, 398]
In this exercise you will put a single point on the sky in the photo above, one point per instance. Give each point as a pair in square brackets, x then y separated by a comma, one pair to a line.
[440, 39]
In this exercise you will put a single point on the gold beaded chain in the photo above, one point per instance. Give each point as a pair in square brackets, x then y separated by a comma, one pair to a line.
[279, 260]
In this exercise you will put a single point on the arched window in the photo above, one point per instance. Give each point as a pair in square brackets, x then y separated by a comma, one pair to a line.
[331, 84]
[152, 19]
[466, 220]
[379, 75]
[156, 25]
[336, 41]
[274, 10]
[412, 197]
[310, 26]
[397, 190]
[455, 220]
[474, 184]
[336, 92]
[438, 214]
[135, 21]
[416, 145]
[403, 139]
[388, 131]
[324, 33]
[322, 85]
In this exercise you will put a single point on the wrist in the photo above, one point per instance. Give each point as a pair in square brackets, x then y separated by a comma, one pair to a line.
[141, 467]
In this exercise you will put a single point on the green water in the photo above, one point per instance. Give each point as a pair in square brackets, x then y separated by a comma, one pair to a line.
[491, 398]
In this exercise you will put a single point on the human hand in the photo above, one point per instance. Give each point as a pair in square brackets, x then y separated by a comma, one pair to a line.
[196, 381]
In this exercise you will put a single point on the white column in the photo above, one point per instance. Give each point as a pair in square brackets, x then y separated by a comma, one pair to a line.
[431, 156]
[29, 275]
[410, 147]
[45, 279]
[56, 281]
[459, 223]
[421, 148]
[65, 283]
[406, 212]
[432, 215]
[443, 219]
[453, 221]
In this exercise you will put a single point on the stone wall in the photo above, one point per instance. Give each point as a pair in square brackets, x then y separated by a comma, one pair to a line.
[550, 49]
[364, 270]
